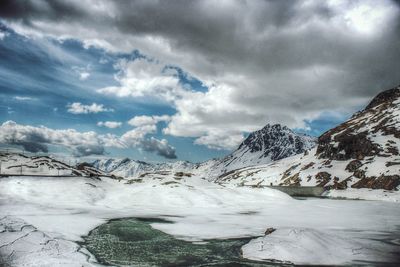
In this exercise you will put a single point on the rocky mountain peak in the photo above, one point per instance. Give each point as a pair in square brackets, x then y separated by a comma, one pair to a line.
[387, 96]
[277, 141]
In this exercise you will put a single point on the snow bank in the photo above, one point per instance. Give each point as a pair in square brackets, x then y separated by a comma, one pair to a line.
[310, 246]
[365, 194]
[23, 244]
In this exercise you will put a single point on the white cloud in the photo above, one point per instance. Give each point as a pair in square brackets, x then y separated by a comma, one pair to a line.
[363, 17]
[82, 72]
[3, 35]
[135, 136]
[109, 124]
[23, 98]
[147, 120]
[79, 108]
[144, 78]
[36, 139]
[84, 75]
[145, 125]
[223, 141]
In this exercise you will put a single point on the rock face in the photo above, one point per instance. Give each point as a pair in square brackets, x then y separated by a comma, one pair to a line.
[373, 132]
[276, 142]
[362, 152]
[356, 138]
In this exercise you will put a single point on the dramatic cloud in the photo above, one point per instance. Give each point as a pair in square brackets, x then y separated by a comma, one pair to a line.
[161, 147]
[262, 61]
[79, 108]
[136, 138]
[145, 125]
[110, 124]
[37, 139]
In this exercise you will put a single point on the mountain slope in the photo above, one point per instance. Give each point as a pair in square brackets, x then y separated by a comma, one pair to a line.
[271, 143]
[362, 152]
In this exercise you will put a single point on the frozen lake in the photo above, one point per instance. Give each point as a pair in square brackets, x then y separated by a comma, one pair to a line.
[44, 221]
[132, 241]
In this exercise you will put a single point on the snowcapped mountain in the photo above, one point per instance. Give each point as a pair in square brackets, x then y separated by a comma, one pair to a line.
[132, 168]
[362, 152]
[271, 143]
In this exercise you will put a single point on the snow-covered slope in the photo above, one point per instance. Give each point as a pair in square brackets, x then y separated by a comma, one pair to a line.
[362, 152]
[19, 164]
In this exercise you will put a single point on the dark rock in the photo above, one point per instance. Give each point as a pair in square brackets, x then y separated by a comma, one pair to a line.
[307, 166]
[384, 97]
[293, 180]
[359, 174]
[353, 165]
[339, 185]
[82, 166]
[323, 178]
[382, 182]
[269, 231]
[391, 163]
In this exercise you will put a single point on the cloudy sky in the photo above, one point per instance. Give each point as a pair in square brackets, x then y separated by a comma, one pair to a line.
[186, 80]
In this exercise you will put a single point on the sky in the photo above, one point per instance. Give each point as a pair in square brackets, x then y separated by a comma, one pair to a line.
[186, 80]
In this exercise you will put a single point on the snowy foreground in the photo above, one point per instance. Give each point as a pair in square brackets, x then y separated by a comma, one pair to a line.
[43, 218]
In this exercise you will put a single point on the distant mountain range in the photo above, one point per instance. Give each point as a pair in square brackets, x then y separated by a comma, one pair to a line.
[271, 143]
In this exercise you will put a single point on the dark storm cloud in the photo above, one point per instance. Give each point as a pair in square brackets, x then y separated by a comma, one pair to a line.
[235, 34]
[160, 147]
[30, 146]
[20, 9]
[81, 151]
